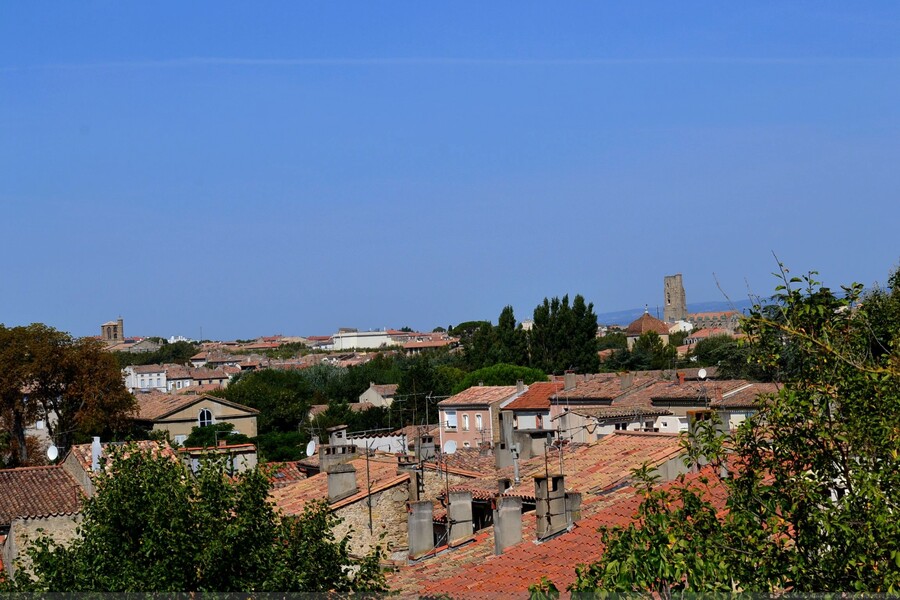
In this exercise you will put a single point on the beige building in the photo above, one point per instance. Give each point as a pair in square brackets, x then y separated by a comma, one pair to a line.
[179, 413]
[379, 395]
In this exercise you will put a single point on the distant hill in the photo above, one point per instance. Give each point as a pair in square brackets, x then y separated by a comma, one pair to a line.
[624, 317]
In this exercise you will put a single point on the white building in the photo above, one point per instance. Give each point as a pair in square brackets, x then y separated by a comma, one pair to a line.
[369, 340]
[145, 377]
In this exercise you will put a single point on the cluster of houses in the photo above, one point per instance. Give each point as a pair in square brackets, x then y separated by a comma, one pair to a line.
[510, 484]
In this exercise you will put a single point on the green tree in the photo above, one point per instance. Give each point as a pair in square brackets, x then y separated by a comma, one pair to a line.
[511, 339]
[813, 478]
[210, 435]
[74, 385]
[500, 374]
[564, 337]
[153, 527]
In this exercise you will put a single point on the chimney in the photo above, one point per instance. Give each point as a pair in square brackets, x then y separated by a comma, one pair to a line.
[420, 528]
[626, 379]
[680, 378]
[459, 514]
[573, 508]
[96, 451]
[520, 386]
[335, 455]
[550, 505]
[503, 456]
[507, 522]
[341, 482]
[503, 484]
[406, 463]
[425, 447]
[569, 380]
[337, 435]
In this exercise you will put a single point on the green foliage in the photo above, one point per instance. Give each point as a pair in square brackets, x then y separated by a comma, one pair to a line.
[813, 477]
[500, 374]
[153, 527]
[543, 590]
[564, 337]
[617, 340]
[280, 446]
[210, 435]
[282, 397]
[177, 352]
[74, 385]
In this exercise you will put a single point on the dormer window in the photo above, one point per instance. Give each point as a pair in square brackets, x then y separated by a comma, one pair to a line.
[205, 417]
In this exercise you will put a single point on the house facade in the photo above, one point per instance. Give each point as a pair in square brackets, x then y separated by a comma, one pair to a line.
[472, 417]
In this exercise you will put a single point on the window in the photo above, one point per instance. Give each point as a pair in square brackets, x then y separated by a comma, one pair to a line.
[621, 426]
[179, 439]
[205, 417]
[467, 445]
[478, 424]
[465, 422]
[450, 420]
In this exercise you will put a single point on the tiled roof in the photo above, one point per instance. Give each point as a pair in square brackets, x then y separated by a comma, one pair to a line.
[611, 412]
[744, 396]
[589, 468]
[536, 397]
[606, 386]
[382, 469]
[285, 473]
[385, 389]
[37, 492]
[82, 452]
[471, 459]
[645, 324]
[153, 406]
[480, 395]
[148, 368]
[473, 571]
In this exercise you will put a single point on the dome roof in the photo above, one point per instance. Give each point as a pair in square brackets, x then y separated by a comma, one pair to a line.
[647, 323]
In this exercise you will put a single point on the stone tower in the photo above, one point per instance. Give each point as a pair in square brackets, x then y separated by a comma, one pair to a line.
[674, 301]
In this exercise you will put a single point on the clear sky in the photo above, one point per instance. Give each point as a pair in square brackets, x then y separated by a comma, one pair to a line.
[292, 167]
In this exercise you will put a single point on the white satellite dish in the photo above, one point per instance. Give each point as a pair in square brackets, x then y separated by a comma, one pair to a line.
[311, 448]
[450, 447]
[701, 373]
[52, 452]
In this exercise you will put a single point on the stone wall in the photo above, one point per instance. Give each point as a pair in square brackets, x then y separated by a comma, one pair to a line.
[23, 532]
[389, 525]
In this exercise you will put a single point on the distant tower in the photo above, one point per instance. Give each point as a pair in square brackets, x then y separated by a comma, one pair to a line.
[113, 332]
[674, 300]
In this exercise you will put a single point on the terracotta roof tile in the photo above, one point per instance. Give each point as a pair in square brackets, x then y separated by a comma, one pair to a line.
[536, 397]
[480, 395]
[37, 492]
[646, 324]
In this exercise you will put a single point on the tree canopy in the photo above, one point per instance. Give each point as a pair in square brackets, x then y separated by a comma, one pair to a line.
[73, 385]
[154, 527]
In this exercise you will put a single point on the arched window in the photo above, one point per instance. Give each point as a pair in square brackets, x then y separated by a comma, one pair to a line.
[205, 417]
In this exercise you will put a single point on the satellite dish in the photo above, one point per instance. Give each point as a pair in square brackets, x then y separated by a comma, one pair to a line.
[311, 448]
[52, 452]
[701, 373]
[450, 447]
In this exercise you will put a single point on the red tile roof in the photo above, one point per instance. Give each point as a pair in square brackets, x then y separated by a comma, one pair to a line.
[646, 324]
[382, 469]
[745, 396]
[473, 571]
[37, 492]
[82, 452]
[385, 389]
[606, 386]
[536, 397]
[480, 395]
[589, 468]
[153, 406]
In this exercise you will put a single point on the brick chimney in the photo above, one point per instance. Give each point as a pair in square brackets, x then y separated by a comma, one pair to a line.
[341, 482]
[507, 522]
[459, 515]
[626, 380]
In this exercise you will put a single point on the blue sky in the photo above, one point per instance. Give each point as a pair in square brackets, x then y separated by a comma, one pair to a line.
[294, 167]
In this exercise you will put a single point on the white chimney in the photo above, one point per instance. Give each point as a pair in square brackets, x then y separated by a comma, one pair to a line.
[96, 449]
